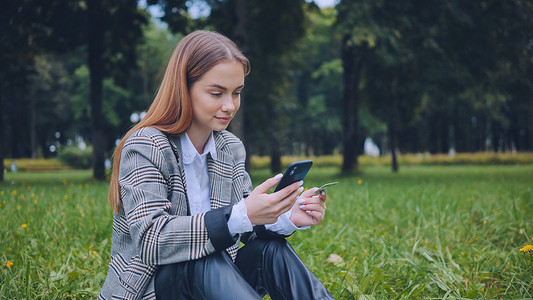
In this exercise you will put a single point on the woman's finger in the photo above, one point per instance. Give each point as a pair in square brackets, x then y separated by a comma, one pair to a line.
[312, 207]
[268, 184]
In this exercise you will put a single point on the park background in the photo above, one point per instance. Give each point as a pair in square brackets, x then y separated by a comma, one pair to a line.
[422, 110]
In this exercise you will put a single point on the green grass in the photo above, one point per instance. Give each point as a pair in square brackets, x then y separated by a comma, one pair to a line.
[426, 232]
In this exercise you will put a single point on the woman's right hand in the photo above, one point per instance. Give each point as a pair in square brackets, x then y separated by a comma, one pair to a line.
[265, 208]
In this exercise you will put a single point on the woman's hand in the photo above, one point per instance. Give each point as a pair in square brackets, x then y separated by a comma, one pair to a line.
[265, 208]
[309, 210]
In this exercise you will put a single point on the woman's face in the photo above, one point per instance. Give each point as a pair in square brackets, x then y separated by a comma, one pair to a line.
[216, 97]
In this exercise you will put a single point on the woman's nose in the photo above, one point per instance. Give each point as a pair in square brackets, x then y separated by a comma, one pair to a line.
[228, 104]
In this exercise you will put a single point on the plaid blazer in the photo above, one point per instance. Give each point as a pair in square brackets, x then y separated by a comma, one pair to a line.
[155, 226]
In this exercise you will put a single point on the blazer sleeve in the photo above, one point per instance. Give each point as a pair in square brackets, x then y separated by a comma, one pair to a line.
[159, 237]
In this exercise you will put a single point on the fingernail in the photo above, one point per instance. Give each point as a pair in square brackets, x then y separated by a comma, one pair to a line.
[300, 183]
[302, 206]
[301, 200]
[323, 193]
[301, 189]
[278, 176]
[308, 211]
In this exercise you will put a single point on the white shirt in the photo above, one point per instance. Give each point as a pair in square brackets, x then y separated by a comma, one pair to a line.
[197, 178]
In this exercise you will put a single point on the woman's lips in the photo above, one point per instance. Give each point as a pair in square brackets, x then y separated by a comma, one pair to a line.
[224, 119]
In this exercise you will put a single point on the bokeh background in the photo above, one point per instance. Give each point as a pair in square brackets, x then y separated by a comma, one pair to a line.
[342, 78]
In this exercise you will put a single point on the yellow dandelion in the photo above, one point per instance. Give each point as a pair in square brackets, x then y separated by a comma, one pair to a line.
[64, 182]
[84, 199]
[526, 248]
[29, 188]
[61, 223]
[359, 181]
[33, 195]
[14, 193]
[19, 207]
[35, 201]
[95, 253]
[9, 264]
[2, 193]
[484, 221]
[24, 226]
[66, 197]
[21, 197]
[4, 202]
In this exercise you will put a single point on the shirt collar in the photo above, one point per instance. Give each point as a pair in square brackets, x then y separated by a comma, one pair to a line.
[189, 151]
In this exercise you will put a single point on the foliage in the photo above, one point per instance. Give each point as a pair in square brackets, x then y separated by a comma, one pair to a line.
[75, 157]
[427, 232]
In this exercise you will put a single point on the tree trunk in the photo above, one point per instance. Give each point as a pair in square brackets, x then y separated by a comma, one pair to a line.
[275, 154]
[33, 129]
[95, 62]
[240, 36]
[393, 123]
[352, 62]
[2, 137]
[393, 145]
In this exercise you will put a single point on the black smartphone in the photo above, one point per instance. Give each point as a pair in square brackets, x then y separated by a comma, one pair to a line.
[296, 171]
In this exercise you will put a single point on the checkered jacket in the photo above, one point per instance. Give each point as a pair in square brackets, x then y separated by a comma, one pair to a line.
[155, 226]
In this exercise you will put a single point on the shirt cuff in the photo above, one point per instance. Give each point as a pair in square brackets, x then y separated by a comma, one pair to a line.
[284, 225]
[238, 221]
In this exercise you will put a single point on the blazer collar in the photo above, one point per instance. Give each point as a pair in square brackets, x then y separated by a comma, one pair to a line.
[220, 169]
[190, 152]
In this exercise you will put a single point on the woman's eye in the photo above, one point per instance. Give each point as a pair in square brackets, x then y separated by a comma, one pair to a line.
[216, 94]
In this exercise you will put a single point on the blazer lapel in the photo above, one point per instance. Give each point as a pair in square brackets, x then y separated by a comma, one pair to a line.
[176, 146]
[220, 175]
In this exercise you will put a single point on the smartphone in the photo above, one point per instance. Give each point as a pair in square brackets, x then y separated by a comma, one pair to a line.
[296, 171]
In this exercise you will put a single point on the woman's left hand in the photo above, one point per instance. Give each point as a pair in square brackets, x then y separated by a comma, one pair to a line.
[308, 209]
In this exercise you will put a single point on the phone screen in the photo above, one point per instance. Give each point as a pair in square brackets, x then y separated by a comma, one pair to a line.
[296, 171]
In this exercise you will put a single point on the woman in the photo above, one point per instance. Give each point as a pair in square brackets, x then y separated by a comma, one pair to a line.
[183, 200]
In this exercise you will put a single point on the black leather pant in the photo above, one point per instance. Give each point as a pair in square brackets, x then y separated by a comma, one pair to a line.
[261, 267]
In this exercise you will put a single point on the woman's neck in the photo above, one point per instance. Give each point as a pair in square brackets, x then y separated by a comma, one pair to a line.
[198, 139]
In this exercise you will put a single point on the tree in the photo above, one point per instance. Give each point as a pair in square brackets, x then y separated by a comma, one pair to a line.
[480, 48]
[317, 77]
[110, 29]
[276, 29]
[27, 28]
[359, 34]
[114, 31]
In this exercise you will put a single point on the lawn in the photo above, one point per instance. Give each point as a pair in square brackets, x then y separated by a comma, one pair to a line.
[426, 232]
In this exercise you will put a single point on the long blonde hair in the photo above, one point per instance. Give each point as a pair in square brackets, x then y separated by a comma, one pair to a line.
[171, 111]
